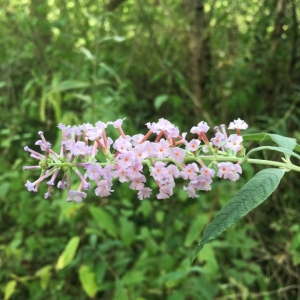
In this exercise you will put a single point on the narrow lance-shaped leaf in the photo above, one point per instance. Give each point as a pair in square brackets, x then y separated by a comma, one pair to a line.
[253, 193]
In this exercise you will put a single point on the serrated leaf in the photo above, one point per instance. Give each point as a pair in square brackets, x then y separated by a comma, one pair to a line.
[253, 193]
[9, 289]
[88, 280]
[278, 149]
[68, 254]
[104, 220]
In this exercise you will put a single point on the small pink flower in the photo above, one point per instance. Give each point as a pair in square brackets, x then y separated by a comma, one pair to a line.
[201, 127]
[189, 172]
[150, 148]
[202, 183]
[103, 189]
[101, 125]
[117, 123]
[165, 125]
[137, 182]
[206, 172]
[163, 149]
[80, 148]
[218, 139]
[122, 174]
[235, 142]
[228, 170]
[173, 171]
[159, 172]
[135, 169]
[144, 193]
[193, 145]
[122, 145]
[177, 154]
[76, 196]
[164, 193]
[94, 172]
[125, 159]
[191, 191]
[238, 124]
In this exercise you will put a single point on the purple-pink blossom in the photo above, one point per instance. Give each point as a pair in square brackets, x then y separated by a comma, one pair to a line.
[201, 127]
[85, 151]
[238, 124]
[228, 170]
[193, 145]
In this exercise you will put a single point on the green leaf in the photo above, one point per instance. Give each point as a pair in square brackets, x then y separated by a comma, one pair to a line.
[133, 277]
[68, 254]
[297, 148]
[111, 71]
[176, 275]
[68, 85]
[197, 225]
[44, 274]
[253, 193]
[284, 142]
[87, 53]
[159, 100]
[104, 220]
[9, 289]
[279, 149]
[88, 280]
[86, 98]
[127, 231]
[254, 136]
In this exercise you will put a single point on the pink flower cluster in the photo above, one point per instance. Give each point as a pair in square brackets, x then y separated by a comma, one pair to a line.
[168, 157]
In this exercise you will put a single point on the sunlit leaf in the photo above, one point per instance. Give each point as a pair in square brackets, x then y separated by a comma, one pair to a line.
[88, 280]
[9, 289]
[68, 254]
[44, 274]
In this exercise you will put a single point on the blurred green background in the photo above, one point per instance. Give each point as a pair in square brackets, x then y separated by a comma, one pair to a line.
[75, 61]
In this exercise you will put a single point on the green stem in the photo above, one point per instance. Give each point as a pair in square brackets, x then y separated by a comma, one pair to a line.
[289, 166]
[219, 158]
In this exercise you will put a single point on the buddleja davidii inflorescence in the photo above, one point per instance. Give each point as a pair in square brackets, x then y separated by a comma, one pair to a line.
[170, 156]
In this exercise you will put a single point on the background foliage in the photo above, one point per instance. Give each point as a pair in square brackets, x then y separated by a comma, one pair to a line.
[75, 61]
